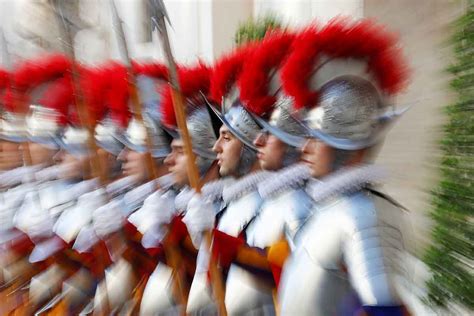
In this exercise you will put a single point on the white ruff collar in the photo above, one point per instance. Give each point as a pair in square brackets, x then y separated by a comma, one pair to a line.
[165, 182]
[244, 185]
[210, 191]
[182, 198]
[213, 190]
[120, 185]
[345, 181]
[291, 177]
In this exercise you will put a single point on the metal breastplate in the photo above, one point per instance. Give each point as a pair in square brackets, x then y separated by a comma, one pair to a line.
[244, 294]
[239, 213]
[133, 199]
[10, 201]
[76, 217]
[280, 216]
[39, 210]
[351, 245]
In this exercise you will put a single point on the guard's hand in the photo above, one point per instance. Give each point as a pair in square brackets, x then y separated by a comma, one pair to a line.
[108, 219]
[199, 218]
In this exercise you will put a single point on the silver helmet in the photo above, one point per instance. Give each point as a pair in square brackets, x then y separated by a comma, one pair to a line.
[74, 140]
[243, 126]
[283, 124]
[106, 135]
[136, 133]
[44, 120]
[135, 137]
[12, 127]
[257, 84]
[203, 135]
[285, 127]
[343, 91]
[351, 114]
[42, 126]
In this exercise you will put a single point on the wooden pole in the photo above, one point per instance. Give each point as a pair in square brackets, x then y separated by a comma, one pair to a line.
[18, 104]
[84, 116]
[173, 256]
[136, 104]
[193, 174]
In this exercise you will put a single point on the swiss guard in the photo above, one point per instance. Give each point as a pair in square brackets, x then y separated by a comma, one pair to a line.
[341, 78]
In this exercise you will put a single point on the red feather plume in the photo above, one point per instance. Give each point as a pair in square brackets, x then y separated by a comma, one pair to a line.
[117, 92]
[155, 70]
[59, 96]
[94, 84]
[227, 70]
[4, 79]
[193, 81]
[298, 68]
[256, 75]
[10, 100]
[34, 72]
[4, 86]
[342, 38]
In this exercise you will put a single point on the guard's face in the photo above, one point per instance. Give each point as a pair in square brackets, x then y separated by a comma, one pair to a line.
[41, 154]
[110, 163]
[271, 151]
[10, 155]
[318, 156]
[73, 167]
[228, 149]
[177, 162]
[134, 164]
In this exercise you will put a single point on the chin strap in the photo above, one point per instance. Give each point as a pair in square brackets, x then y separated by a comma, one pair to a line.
[247, 158]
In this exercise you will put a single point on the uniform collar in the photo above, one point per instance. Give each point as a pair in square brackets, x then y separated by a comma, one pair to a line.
[244, 185]
[182, 198]
[344, 181]
[213, 190]
[292, 177]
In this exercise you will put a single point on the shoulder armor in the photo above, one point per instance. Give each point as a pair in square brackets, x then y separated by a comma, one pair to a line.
[239, 213]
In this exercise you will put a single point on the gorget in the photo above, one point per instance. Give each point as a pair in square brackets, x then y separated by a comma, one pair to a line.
[244, 185]
[345, 181]
[292, 177]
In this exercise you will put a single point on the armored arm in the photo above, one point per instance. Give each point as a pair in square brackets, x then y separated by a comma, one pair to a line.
[372, 251]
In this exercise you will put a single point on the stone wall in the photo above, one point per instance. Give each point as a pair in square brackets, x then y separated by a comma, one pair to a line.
[411, 148]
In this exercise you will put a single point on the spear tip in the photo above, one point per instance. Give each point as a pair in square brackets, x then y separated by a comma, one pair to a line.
[158, 11]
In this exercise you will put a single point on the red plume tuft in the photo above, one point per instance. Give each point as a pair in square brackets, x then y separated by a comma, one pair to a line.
[193, 81]
[94, 84]
[59, 96]
[342, 38]
[257, 72]
[4, 86]
[4, 79]
[9, 100]
[227, 70]
[298, 68]
[34, 72]
[117, 92]
[155, 70]
[390, 70]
